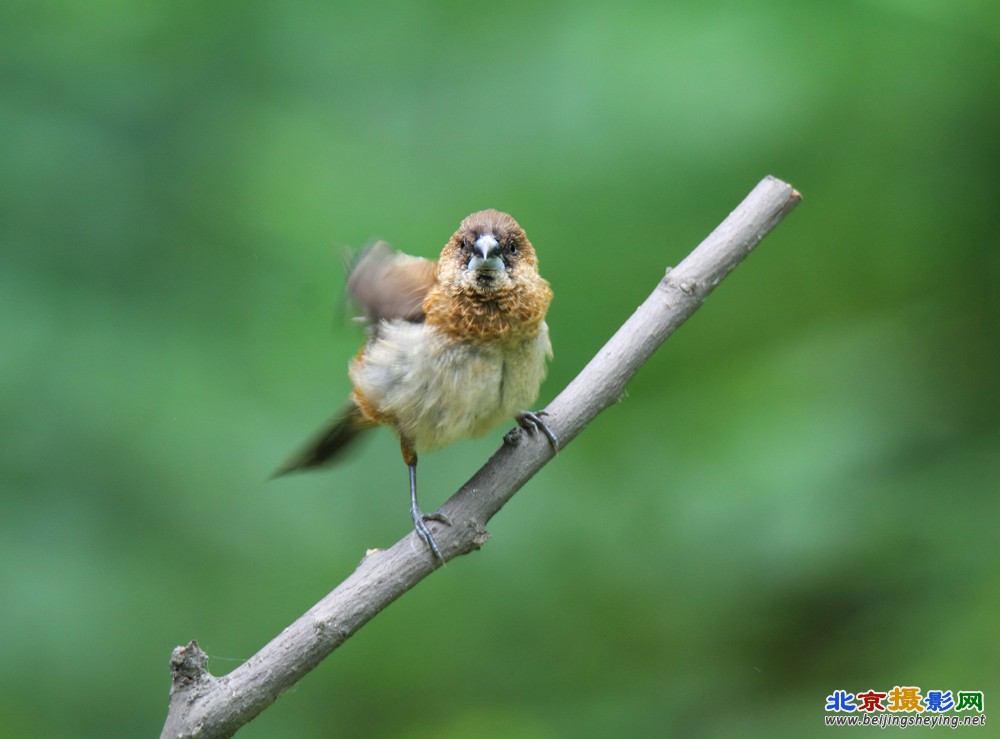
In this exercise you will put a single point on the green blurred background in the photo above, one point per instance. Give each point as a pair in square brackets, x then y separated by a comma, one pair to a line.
[798, 495]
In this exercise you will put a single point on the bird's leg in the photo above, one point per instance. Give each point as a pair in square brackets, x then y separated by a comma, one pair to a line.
[420, 518]
[532, 423]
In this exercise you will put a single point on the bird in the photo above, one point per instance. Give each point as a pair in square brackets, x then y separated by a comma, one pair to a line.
[453, 347]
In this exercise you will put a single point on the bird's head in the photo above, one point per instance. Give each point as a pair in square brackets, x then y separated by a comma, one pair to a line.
[488, 252]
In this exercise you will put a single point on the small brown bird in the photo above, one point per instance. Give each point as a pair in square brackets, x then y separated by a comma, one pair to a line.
[454, 347]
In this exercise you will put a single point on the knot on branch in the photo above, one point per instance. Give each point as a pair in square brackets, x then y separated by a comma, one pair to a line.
[690, 287]
[187, 666]
[479, 537]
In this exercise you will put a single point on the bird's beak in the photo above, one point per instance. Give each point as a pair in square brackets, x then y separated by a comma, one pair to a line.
[486, 254]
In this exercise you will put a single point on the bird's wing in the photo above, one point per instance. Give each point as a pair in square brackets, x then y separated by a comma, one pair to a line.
[390, 284]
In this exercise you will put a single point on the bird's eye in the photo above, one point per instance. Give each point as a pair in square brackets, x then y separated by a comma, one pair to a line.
[512, 248]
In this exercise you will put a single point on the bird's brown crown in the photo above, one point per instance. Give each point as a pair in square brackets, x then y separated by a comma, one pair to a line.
[488, 305]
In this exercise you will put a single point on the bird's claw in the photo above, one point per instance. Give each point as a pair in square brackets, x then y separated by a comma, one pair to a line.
[532, 423]
[420, 525]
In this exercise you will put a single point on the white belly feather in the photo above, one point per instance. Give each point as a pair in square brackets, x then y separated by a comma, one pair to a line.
[440, 391]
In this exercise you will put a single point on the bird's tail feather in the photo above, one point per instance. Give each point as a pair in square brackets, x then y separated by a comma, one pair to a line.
[330, 442]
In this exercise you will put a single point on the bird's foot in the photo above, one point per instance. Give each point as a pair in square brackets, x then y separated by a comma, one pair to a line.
[532, 423]
[419, 523]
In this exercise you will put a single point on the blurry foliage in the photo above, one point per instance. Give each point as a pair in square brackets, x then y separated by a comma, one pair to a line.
[799, 493]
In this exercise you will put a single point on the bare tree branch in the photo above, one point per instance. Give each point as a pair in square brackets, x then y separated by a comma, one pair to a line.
[202, 705]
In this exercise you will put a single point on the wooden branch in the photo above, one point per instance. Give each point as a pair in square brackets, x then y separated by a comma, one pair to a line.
[202, 705]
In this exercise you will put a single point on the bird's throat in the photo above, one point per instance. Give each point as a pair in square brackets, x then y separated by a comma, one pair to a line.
[506, 315]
